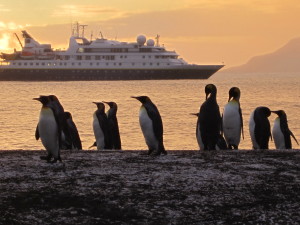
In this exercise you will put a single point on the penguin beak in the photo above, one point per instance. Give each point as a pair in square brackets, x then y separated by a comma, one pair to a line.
[134, 97]
[229, 98]
[206, 96]
[276, 112]
[37, 99]
[194, 114]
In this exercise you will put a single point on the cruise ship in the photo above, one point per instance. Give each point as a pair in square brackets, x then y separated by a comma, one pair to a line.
[98, 59]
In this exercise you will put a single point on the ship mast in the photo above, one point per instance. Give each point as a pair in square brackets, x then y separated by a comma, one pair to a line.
[19, 40]
[157, 40]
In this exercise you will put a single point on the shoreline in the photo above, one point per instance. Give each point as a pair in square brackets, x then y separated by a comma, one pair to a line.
[129, 187]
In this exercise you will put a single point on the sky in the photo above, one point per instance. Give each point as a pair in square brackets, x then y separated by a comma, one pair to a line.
[201, 31]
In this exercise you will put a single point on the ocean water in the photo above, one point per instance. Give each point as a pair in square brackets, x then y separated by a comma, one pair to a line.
[175, 99]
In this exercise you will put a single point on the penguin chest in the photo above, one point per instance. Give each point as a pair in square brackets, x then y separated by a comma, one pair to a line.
[232, 123]
[278, 135]
[48, 131]
[98, 132]
[198, 136]
[252, 131]
[147, 129]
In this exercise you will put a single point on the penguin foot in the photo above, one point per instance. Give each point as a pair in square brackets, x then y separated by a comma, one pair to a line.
[47, 158]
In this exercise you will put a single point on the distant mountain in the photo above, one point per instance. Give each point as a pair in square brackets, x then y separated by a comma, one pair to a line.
[285, 59]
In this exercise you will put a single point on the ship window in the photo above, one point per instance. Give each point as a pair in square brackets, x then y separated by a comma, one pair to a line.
[107, 64]
[14, 63]
[97, 57]
[114, 64]
[25, 64]
[120, 64]
[158, 64]
[65, 64]
[133, 64]
[37, 64]
[121, 56]
[67, 57]
[49, 64]
[79, 57]
[60, 64]
[91, 64]
[144, 64]
[125, 56]
[79, 64]
[157, 57]
[143, 56]
[31, 64]
[150, 64]
[19, 64]
[97, 64]
[149, 56]
[88, 57]
[43, 64]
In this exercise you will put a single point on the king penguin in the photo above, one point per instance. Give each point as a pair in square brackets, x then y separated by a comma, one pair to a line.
[101, 127]
[151, 125]
[259, 128]
[48, 130]
[233, 119]
[76, 142]
[65, 140]
[209, 119]
[281, 132]
[113, 125]
[221, 143]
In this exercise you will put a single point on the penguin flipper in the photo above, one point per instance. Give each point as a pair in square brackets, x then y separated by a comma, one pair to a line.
[242, 124]
[37, 133]
[93, 145]
[76, 142]
[291, 133]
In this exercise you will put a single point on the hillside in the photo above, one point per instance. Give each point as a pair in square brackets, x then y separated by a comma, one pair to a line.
[285, 59]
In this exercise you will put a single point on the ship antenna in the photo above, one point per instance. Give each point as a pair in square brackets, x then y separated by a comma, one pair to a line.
[82, 27]
[91, 35]
[101, 35]
[157, 40]
[19, 40]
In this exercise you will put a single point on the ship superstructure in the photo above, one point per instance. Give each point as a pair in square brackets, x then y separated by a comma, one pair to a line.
[99, 59]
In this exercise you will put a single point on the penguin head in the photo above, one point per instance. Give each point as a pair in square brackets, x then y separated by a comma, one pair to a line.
[264, 110]
[68, 115]
[43, 99]
[279, 113]
[53, 98]
[142, 99]
[111, 104]
[234, 93]
[210, 89]
[100, 106]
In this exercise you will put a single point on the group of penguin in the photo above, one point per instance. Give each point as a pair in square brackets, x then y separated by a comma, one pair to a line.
[57, 130]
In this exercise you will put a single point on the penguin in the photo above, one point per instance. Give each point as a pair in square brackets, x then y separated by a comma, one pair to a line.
[209, 119]
[233, 119]
[221, 143]
[101, 128]
[281, 132]
[259, 128]
[113, 125]
[65, 139]
[48, 130]
[76, 142]
[151, 125]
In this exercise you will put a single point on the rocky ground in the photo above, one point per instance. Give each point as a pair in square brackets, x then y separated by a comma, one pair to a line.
[129, 187]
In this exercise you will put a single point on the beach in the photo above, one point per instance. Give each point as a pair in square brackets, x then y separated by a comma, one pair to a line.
[130, 187]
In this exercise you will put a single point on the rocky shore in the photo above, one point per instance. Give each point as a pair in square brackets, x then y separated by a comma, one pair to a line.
[129, 187]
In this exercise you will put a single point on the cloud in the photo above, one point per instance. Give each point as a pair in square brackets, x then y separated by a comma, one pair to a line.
[10, 26]
[85, 11]
[3, 9]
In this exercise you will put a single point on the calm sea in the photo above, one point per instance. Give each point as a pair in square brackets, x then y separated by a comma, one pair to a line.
[175, 99]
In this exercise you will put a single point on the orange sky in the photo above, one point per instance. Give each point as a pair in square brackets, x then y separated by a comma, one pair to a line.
[201, 31]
